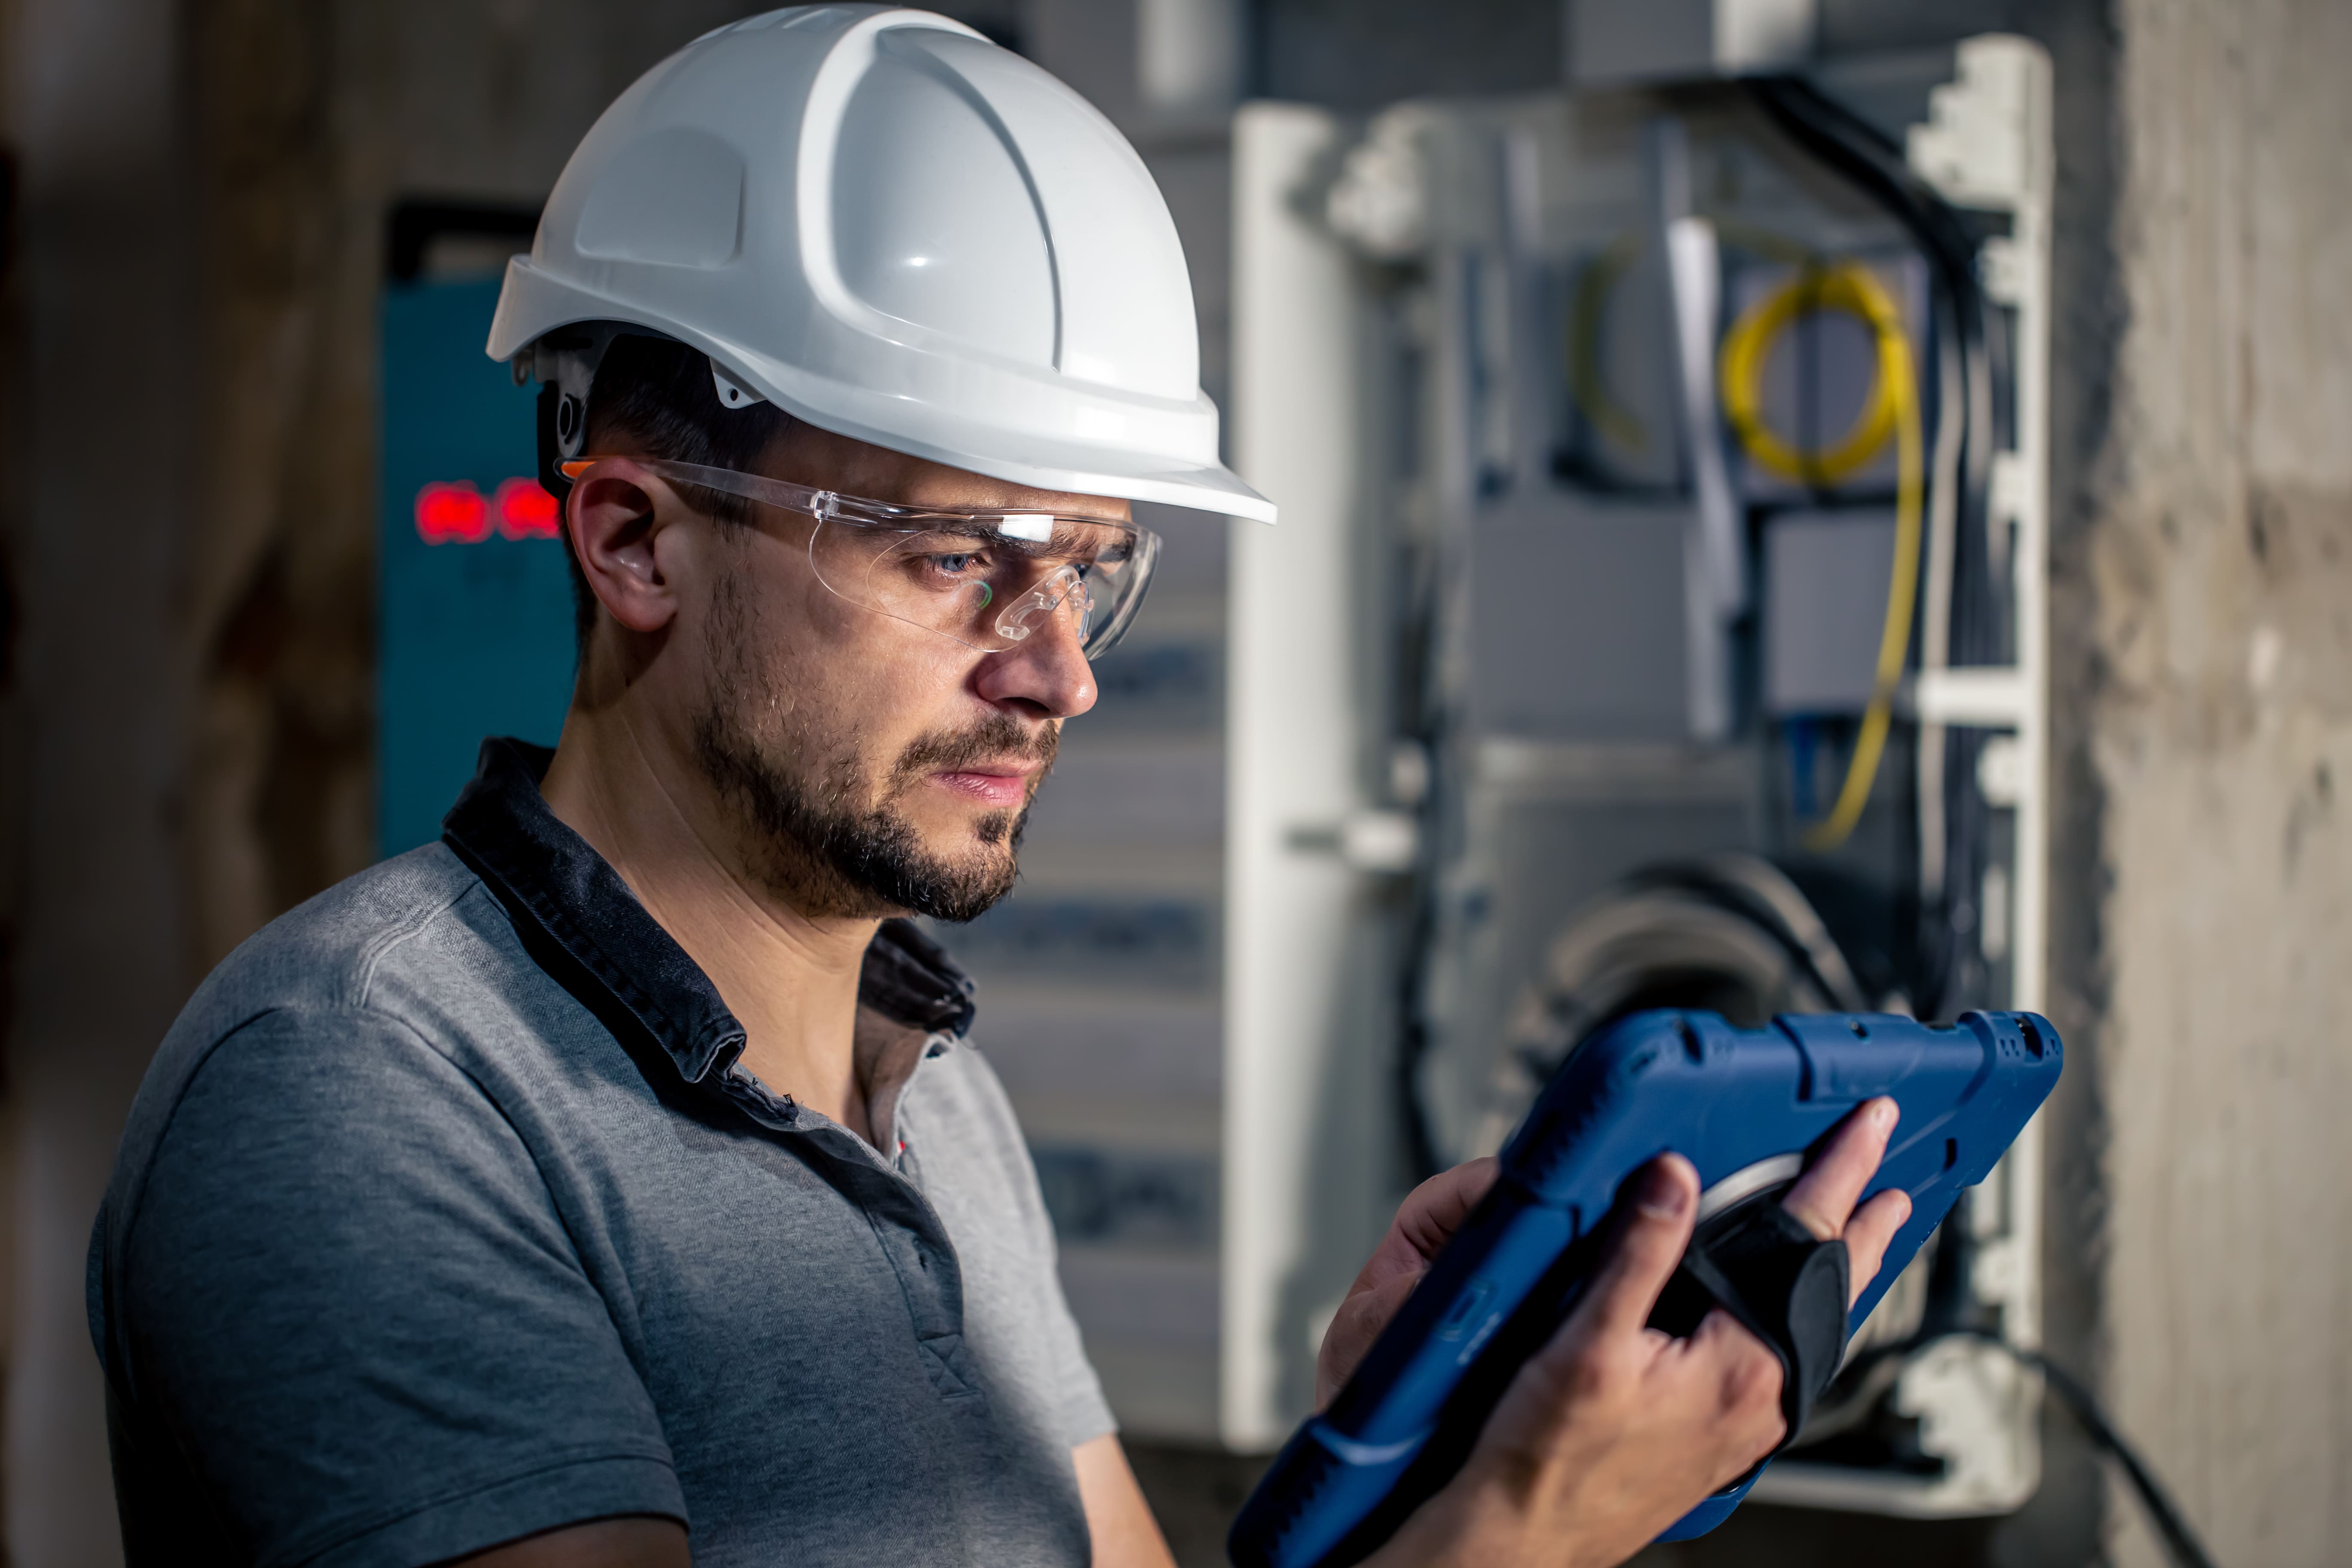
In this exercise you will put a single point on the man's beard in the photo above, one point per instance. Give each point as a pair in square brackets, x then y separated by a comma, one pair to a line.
[812, 841]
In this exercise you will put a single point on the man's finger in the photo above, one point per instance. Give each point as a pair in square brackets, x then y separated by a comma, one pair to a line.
[1874, 1225]
[1429, 1216]
[1435, 1210]
[1652, 1228]
[1354, 1327]
[1825, 1194]
[1749, 1375]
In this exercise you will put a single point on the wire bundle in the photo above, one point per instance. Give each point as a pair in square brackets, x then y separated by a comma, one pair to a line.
[1893, 408]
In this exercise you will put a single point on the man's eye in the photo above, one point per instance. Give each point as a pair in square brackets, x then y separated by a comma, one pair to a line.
[959, 565]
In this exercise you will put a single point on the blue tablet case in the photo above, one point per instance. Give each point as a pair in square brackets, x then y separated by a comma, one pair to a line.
[1744, 1106]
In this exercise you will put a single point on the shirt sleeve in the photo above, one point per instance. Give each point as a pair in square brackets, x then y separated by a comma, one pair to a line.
[1085, 1414]
[348, 1304]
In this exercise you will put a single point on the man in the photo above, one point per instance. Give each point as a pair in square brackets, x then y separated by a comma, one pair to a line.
[614, 1182]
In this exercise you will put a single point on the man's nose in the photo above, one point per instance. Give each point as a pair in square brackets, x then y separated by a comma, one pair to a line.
[1045, 673]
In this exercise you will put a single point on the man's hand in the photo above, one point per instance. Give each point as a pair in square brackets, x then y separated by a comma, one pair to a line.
[1429, 1214]
[1612, 1431]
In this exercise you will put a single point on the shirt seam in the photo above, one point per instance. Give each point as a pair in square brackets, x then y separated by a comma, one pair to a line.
[576, 1459]
[373, 954]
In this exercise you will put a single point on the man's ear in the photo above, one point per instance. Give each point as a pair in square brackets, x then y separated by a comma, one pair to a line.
[612, 513]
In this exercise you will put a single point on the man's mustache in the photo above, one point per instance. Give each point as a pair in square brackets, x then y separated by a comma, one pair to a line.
[996, 738]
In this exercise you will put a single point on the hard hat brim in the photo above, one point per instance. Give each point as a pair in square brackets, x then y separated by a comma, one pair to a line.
[1043, 462]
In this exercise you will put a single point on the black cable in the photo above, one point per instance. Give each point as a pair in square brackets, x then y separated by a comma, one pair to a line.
[1859, 151]
[2180, 1542]
[1423, 719]
[1710, 885]
[1420, 1155]
[1427, 721]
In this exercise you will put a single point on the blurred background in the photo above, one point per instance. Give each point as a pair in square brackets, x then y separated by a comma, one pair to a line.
[1578, 340]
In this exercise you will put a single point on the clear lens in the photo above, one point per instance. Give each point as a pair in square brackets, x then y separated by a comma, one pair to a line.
[989, 580]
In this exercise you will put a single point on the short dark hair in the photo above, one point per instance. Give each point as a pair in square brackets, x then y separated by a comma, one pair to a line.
[658, 392]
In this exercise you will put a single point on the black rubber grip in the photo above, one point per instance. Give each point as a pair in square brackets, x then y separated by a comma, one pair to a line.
[1759, 1262]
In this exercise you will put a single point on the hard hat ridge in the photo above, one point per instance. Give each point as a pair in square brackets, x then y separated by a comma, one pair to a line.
[888, 226]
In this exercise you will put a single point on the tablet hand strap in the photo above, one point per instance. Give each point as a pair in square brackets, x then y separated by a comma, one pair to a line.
[1763, 1267]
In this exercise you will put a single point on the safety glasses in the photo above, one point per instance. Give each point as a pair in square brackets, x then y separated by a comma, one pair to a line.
[991, 580]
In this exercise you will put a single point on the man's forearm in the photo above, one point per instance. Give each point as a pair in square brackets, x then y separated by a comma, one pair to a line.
[1117, 1518]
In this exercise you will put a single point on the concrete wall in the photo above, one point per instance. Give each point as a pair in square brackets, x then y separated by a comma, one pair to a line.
[2220, 588]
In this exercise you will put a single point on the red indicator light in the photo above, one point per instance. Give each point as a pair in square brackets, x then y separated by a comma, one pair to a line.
[525, 511]
[452, 514]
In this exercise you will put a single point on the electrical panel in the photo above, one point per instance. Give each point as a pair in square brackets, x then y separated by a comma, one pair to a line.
[474, 601]
[1656, 619]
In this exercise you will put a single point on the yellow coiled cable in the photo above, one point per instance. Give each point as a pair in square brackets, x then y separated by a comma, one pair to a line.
[1892, 407]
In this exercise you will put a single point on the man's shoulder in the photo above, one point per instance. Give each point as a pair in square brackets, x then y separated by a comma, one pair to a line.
[326, 1020]
[419, 941]
[365, 970]
[334, 949]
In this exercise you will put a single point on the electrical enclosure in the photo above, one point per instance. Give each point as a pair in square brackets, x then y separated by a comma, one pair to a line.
[1662, 470]
[473, 605]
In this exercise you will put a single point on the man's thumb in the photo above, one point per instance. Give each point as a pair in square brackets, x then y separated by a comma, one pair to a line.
[1654, 1215]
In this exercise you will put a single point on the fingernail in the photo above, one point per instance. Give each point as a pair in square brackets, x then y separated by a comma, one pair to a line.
[1662, 1196]
[1883, 1114]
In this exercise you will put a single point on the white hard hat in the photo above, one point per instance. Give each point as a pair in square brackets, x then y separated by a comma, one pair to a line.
[888, 227]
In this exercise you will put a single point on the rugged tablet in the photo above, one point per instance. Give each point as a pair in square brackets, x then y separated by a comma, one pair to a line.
[1744, 1106]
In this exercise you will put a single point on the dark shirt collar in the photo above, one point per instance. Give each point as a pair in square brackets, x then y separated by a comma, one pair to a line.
[556, 887]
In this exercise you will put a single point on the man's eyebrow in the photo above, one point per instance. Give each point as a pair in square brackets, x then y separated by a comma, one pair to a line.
[1090, 508]
[1067, 535]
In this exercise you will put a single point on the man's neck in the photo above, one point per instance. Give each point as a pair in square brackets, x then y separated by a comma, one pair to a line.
[790, 978]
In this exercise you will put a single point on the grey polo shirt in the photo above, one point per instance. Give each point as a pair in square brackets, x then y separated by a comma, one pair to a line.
[446, 1215]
